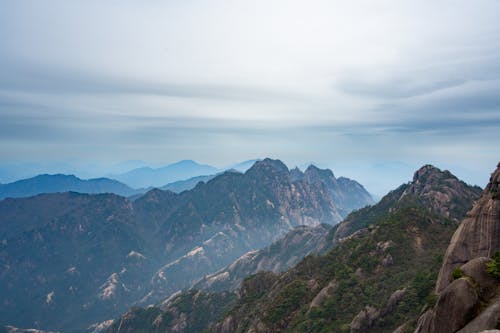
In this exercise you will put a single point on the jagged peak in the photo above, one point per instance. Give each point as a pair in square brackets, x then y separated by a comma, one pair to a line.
[493, 186]
[269, 164]
[429, 171]
[314, 170]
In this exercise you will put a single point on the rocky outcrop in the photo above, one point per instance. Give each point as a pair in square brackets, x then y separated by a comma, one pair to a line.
[478, 235]
[469, 301]
[438, 191]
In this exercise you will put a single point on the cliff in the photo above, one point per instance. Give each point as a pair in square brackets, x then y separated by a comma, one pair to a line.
[468, 284]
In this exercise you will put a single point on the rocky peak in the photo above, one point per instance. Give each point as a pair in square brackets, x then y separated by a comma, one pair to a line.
[269, 166]
[313, 171]
[440, 190]
[426, 171]
[296, 174]
[493, 187]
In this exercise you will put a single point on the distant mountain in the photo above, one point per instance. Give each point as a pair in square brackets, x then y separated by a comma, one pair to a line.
[146, 177]
[377, 278]
[62, 183]
[69, 260]
[243, 166]
[184, 185]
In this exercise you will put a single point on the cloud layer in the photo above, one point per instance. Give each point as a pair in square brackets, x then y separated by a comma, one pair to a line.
[342, 83]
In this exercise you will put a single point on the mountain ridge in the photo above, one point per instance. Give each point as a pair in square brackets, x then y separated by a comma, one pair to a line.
[55, 183]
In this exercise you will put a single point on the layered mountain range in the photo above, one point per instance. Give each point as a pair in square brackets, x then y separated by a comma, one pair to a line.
[69, 260]
[63, 183]
[377, 278]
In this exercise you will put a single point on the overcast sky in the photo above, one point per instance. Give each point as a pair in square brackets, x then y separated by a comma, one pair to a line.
[357, 86]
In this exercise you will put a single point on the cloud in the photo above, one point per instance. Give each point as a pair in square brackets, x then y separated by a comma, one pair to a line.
[221, 81]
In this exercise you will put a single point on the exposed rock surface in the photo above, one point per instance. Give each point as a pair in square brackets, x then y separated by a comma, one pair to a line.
[470, 303]
[478, 235]
[488, 318]
[279, 256]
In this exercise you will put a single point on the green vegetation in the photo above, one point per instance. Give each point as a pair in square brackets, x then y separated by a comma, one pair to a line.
[287, 301]
[493, 267]
[413, 237]
[457, 273]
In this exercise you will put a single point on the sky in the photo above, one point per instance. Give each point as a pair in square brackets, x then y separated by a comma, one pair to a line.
[371, 89]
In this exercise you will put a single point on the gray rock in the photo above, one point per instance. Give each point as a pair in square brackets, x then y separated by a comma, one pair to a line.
[477, 236]
[488, 319]
[364, 319]
[425, 323]
[455, 307]
[476, 269]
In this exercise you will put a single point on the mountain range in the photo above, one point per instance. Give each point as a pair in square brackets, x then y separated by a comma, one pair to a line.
[62, 183]
[377, 276]
[145, 177]
[70, 260]
[178, 177]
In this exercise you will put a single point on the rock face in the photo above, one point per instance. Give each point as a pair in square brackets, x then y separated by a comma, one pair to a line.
[478, 235]
[279, 256]
[470, 303]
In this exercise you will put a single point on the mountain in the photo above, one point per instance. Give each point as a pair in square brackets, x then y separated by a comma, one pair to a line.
[69, 260]
[148, 177]
[377, 277]
[468, 285]
[62, 183]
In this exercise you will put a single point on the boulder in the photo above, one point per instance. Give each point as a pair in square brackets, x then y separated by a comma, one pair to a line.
[455, 307]
[486, 283]
[487, 319]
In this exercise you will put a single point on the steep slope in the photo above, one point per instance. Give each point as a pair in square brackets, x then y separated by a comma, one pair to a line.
[62, 183]
[217, 291]
[279, 256]
[376, 280]
[69, 260]
[468, 284]
[346, 193]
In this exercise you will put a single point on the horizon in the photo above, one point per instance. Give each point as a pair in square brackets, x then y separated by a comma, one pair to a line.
[401, 173]
[371, 94]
